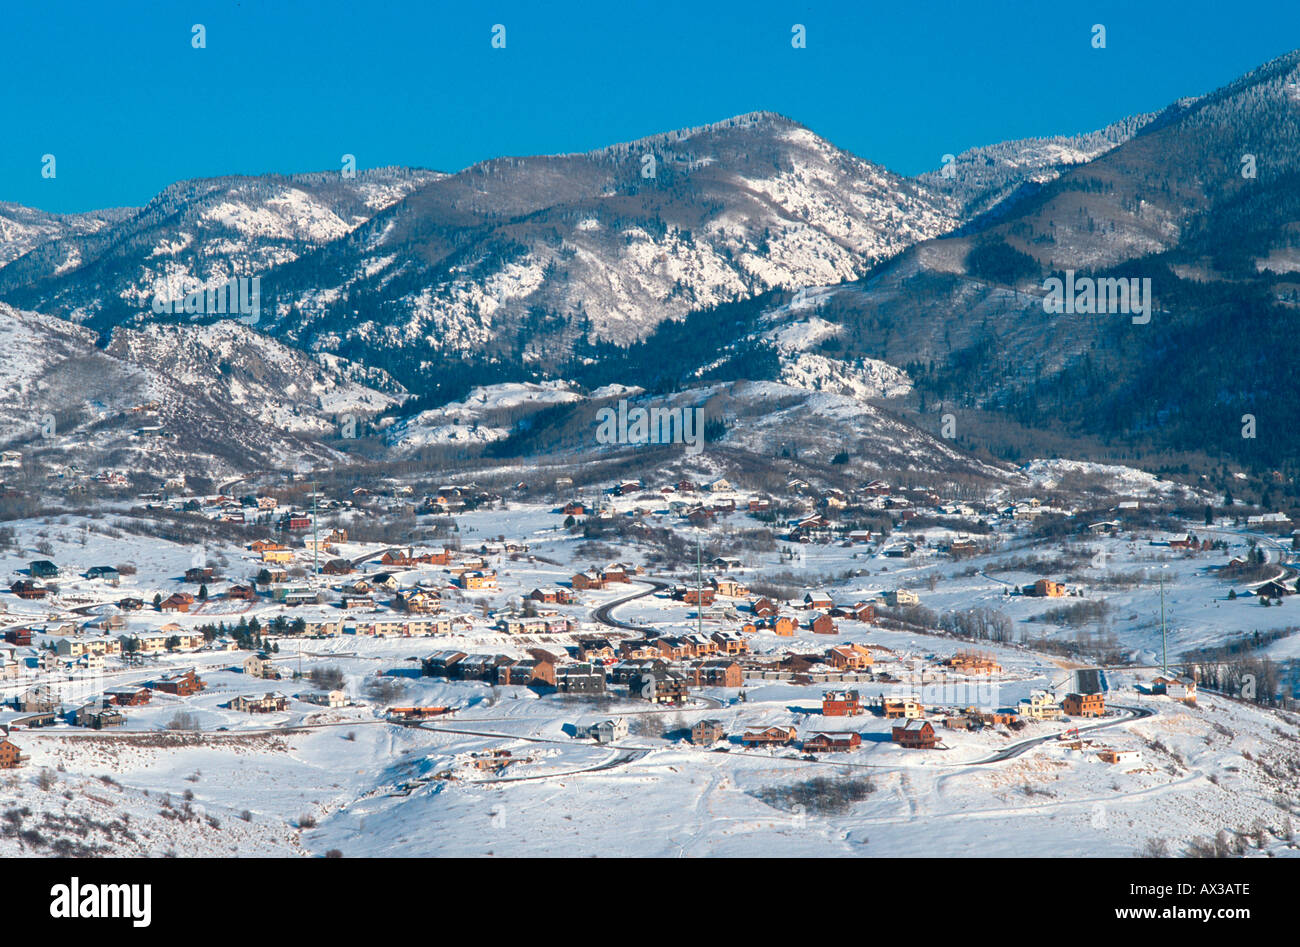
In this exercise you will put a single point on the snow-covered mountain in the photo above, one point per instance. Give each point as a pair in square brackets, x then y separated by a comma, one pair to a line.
[512, 258]
[195, 233]
[984, 177]
[517, 254]
[215, 399]
[23, 229]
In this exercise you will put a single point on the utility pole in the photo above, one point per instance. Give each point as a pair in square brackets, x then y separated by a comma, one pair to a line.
[699, 588]
[315, 544]
[1164, 640]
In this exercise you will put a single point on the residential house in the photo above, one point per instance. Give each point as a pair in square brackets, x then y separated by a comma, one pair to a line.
[335, 698]
[98, 715]
[817, 600]
[144, 642]
[822, 624]
[181, 683]
[782, 625]
[441, 663]
[915, 734]
[259, 665]
[583, 581]
[595, 649]
[1045, 588]
[10, 755]
[908, 708]
[769, 736]
[836, 742]
[177, 602]
[580, 678]
[707, 732]
[128, 696]
[556, 595]
[845, 703]
[266, 704]
[850, 657]
[716, 673]
[609, 731]
[1179, 688]
[1084, 705]
[665, 687]
[1039, 705]
[527, 672]
[730, 642]
[26, 588]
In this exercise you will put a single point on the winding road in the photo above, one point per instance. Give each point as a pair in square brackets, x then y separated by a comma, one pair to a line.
[1016, 749]
[604, 615]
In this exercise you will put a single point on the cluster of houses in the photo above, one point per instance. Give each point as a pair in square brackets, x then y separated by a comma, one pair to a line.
[42, 704]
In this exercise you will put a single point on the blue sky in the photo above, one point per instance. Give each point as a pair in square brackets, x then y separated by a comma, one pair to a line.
[117, 93]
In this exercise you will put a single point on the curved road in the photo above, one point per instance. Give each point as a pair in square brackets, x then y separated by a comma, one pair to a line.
[602, 614]
[1016, 749]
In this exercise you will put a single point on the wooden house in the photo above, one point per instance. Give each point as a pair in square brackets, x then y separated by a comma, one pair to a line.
[26, 588]
[836, 742]
[716, 673]
[894, 708]
[662, 687]
[703, 597]
[915, 735]
[707, 732]
[782, 625]
[769, 736]
[820, 623]
[583, 581]
[731, 642]
[182, 683]
[527, 672]
[556, 595]
[10, 755]
[441, 663]
[581, 678]
[850, 657]
[177, 602]
[1046, 588]
[844, 703]
[337, 567]
[817, 600]
[128, 696]
[1084, 705]
[266, 704]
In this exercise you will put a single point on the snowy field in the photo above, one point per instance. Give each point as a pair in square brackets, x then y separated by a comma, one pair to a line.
[313, 779]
